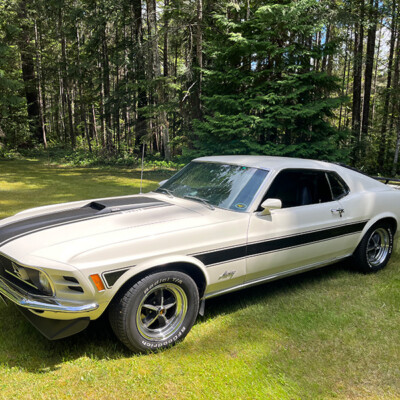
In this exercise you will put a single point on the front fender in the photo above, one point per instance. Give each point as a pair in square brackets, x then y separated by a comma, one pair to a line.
[160, 263]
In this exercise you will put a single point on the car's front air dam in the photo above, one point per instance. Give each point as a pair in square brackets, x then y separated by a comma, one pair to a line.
[54, 329]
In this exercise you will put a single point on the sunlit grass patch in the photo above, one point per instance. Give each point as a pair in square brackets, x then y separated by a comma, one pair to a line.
[30, 183]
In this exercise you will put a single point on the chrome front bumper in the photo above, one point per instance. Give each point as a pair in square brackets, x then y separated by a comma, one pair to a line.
[42, 303]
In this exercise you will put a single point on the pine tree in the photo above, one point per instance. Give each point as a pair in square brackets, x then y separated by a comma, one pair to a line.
[261, 93]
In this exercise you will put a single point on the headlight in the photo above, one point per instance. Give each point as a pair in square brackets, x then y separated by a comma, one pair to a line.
[45, 283]
[32, 280]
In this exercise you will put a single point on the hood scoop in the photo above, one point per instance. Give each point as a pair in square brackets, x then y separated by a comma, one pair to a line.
[94, 205]
[131, 203]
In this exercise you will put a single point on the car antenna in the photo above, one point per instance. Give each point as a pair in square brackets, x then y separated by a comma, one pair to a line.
[141, 172]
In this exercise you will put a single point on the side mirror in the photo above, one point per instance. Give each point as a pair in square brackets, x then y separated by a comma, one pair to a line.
[162, 182]
[270, 204]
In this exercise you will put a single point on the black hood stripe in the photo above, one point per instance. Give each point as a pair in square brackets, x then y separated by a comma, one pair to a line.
[98, 209]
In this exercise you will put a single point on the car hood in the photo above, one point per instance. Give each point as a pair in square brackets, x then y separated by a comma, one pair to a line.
[66, 231]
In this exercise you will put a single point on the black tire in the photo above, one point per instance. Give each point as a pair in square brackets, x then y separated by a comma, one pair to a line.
[375, 248]
[156, 312]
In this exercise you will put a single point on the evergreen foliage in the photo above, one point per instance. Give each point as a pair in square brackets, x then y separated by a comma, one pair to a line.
[261, 92]
[12, 107]
[308, 78]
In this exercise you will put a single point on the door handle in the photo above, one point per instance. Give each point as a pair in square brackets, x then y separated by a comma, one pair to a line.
[339, 211]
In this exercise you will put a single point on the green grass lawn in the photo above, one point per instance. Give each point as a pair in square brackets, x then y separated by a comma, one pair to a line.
[327, 334]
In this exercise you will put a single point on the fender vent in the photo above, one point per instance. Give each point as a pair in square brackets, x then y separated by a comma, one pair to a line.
[76, 289]
[72, 284]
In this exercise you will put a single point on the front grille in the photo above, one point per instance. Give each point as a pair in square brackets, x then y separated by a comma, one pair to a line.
[4, 263]
[9, 271]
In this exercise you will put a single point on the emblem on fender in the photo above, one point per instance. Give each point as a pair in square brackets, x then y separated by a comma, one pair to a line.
[227, 275]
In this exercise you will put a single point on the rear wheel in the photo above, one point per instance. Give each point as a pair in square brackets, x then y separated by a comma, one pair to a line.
[375, 249]
[156, 312]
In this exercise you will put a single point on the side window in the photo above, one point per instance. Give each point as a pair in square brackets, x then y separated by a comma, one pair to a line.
[300, 187]
[338, 186]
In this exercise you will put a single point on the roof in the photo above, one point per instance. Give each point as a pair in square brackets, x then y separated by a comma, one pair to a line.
[267, 162]
[355, 180]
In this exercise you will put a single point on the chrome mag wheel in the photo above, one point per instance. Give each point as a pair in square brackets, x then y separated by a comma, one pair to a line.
[156, 312]
[378, 247]
[161, 311]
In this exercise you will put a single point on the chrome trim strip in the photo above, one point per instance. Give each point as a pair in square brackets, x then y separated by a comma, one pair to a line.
[42, 303]
[276, 276]
[22, 280]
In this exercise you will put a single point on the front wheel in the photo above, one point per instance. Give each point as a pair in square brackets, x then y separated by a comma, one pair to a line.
[156, 312]
[375, 249]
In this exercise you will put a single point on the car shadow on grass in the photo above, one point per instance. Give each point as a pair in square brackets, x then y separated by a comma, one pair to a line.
[22, 346]
[235, 301]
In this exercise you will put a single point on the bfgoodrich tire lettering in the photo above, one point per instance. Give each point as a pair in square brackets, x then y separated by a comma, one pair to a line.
[156, 312]
[375, 249]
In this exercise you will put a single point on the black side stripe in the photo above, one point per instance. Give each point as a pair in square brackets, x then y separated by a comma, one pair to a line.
[221, 256]
[271, 245]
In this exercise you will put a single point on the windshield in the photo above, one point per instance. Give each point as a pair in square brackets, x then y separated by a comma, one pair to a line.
[221, 185]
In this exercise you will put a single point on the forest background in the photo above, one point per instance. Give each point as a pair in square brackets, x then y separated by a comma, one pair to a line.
[102, 79]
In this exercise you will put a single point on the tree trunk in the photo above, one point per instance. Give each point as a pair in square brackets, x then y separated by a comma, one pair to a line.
[141, 125]
[106, 87]
[395, 105]
[395, 85]
[81, 103]
[198, 64]
[116, 112]
[383, 139]
[327, 40]
[357, 75]
[369, 65]
[40, 84]
[376, 72]
[65, 80]
[397, 148]
[94, 125]
[343, 92]
[164, 115]
[28, 75]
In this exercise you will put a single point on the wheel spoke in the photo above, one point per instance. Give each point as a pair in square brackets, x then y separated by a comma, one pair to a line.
[168, 306]
[151, 321]
[164, 318]
[150, 307]
[162, 297]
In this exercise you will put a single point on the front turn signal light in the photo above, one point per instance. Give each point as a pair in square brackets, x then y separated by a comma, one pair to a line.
[98, 282]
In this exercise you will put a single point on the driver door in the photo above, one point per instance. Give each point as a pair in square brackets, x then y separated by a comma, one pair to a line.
[310, 229]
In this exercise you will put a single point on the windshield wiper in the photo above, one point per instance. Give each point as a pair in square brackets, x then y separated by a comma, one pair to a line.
[166, 191]
[205, 202]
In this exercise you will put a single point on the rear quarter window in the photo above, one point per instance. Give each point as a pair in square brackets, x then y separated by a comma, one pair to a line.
[338, 185]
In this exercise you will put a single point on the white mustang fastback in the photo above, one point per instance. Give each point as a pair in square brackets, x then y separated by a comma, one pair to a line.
[218, 225]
